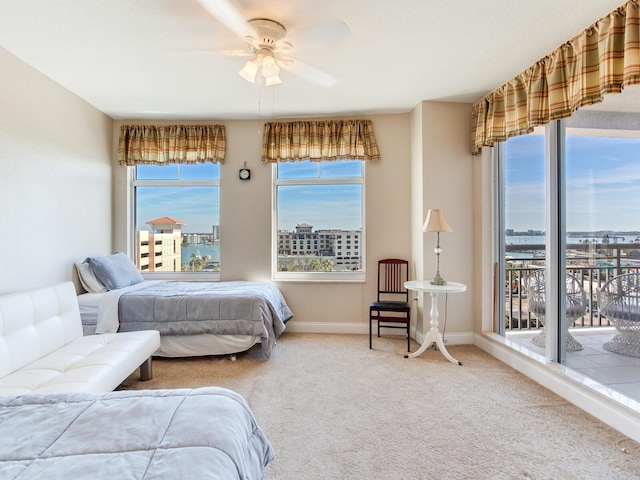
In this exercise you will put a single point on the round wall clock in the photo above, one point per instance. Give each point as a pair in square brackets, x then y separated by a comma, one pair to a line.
[245, 174]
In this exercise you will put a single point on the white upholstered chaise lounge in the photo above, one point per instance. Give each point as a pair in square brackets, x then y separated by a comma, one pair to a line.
[43, 350]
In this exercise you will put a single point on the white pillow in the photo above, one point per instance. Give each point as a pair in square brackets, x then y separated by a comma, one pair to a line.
[89, 281]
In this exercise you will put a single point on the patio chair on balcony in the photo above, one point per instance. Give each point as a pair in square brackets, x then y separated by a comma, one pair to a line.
[619, 301]
[576, 305]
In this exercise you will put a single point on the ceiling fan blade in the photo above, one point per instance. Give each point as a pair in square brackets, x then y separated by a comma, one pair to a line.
[320, 35]
[308, 72]
[228, 15]
[185, 52]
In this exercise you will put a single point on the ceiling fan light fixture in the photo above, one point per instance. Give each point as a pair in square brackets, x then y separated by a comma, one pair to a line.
[272, 80]
[269, 67]
[249, 71]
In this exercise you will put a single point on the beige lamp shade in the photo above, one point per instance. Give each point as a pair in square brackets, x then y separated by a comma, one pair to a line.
[436, 222]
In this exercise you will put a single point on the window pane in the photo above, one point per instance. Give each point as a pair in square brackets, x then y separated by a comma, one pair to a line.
[186, 234]
[524, 217]
[157, 172]
[341, 169]
[298, 169]
[334, 169]
[319, 228]
[603, 185]
[200, 171]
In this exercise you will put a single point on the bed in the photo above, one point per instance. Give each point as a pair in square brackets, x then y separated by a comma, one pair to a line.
[204, 433]
[193, 318]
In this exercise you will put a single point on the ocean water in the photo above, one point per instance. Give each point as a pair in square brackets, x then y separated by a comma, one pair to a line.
[212, 251]
[571, 240]
[520, 240]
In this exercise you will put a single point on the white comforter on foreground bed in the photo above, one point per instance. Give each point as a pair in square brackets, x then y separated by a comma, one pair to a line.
[205, 433]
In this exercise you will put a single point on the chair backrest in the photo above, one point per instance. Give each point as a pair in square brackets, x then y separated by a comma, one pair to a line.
[536, 292]
[392, 273]
[34, 323]
[620, 297]
[576, 297]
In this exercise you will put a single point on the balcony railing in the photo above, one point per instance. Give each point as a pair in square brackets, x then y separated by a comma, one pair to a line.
[595, 264]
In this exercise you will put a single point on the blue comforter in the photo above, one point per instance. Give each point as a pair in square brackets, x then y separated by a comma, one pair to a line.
[222, 308]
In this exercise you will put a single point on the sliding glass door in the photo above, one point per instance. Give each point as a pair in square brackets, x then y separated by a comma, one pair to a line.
[523, 214]
[570, 212]
[603, 245]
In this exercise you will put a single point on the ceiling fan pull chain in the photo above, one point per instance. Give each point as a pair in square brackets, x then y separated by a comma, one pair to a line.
[259, 110]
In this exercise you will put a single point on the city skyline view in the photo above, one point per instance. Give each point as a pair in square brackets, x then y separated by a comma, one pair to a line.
[603, 183]
[322, 206]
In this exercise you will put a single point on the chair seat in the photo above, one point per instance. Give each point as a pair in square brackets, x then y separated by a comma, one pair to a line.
[391, 305]
[572, 311]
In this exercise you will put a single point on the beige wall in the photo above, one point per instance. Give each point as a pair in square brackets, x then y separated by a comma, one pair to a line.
[246, 212]
[55, 187]
[442, 157]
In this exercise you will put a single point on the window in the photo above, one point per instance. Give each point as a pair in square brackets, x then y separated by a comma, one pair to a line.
[585, 231]
[321, 204]
[176, 216]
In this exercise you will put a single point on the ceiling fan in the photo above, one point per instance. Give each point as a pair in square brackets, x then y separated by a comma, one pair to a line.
[267, 42]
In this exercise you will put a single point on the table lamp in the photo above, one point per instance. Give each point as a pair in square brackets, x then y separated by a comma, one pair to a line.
[436, 222]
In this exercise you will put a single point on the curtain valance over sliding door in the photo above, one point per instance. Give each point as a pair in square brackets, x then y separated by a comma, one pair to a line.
[319, 141]
[164, 144]
[603, 59]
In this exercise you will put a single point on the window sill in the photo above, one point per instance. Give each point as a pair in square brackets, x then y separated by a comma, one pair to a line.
[328, 277]
[183, 276]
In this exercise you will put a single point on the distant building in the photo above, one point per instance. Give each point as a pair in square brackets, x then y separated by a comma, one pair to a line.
[159, 250]
[342, 247]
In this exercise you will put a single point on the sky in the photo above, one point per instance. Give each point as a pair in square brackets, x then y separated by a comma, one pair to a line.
[197, 207]
[323, 206]
[603, 183]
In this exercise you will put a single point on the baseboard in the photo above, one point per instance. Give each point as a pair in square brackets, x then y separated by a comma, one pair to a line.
[610, 407]
[327, 327]
[454, 338]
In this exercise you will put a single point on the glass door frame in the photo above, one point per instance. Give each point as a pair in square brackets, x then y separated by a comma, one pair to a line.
[555, 239]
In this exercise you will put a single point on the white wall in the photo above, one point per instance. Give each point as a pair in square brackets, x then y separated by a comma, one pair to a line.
[55, 186]
[245, 222]
[484, 260]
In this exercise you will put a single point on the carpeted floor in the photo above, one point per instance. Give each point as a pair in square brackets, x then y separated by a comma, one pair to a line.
[333, 409]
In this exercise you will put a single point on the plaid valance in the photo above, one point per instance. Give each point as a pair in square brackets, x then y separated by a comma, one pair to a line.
[603, 59]
[319, 141]
[164, 144]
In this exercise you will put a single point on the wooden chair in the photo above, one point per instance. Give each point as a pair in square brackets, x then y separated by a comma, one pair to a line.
[392, 308]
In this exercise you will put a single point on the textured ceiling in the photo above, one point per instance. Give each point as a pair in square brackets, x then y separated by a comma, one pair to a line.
[159, 58]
